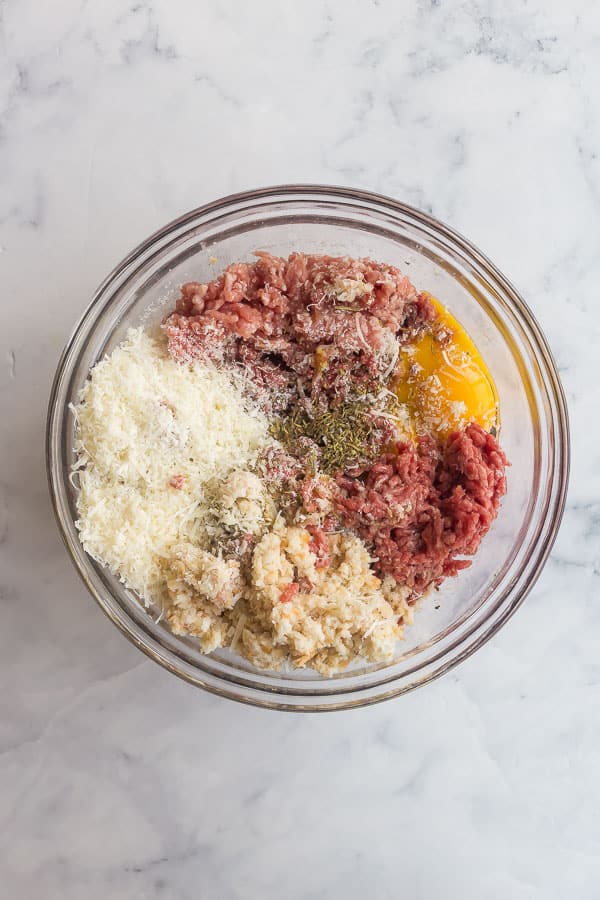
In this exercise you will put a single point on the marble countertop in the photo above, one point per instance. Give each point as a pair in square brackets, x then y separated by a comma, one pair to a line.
[119, 781]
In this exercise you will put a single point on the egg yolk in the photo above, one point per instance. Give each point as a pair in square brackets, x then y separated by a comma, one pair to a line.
[444, 381]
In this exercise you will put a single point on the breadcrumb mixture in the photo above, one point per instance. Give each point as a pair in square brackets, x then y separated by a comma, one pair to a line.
[288, 607]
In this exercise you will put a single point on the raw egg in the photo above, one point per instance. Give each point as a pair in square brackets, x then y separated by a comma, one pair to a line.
[444, 381]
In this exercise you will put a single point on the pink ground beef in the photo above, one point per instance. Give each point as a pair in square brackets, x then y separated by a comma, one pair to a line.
[421, 508]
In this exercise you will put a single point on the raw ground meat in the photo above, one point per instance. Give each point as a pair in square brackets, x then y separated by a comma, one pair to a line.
[424, 507]
[326, 320]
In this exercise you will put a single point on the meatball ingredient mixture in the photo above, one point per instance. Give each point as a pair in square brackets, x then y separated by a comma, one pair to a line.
[308, 448]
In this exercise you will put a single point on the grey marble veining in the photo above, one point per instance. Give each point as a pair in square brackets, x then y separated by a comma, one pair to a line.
[116, 779]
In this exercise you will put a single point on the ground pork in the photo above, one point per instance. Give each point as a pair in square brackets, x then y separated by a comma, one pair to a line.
[331, 322]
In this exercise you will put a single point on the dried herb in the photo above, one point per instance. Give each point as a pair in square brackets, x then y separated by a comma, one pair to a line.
[345, 435]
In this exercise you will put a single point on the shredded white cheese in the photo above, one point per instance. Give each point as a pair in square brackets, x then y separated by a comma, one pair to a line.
[150, 433]
[348, 290]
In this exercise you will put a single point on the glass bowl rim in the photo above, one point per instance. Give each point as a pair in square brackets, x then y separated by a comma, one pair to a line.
[357, 697]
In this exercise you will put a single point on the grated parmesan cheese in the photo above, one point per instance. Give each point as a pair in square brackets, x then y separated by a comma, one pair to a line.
[348, 290]
[151, 432]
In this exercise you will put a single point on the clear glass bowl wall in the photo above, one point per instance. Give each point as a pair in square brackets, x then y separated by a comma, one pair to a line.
[534, 431]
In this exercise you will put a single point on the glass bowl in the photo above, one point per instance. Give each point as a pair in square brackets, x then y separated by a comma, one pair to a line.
[467, 610]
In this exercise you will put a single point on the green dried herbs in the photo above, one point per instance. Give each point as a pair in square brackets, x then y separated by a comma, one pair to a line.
[345, 435]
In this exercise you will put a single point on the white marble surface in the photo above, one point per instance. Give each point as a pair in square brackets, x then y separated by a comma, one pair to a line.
[117, 780]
